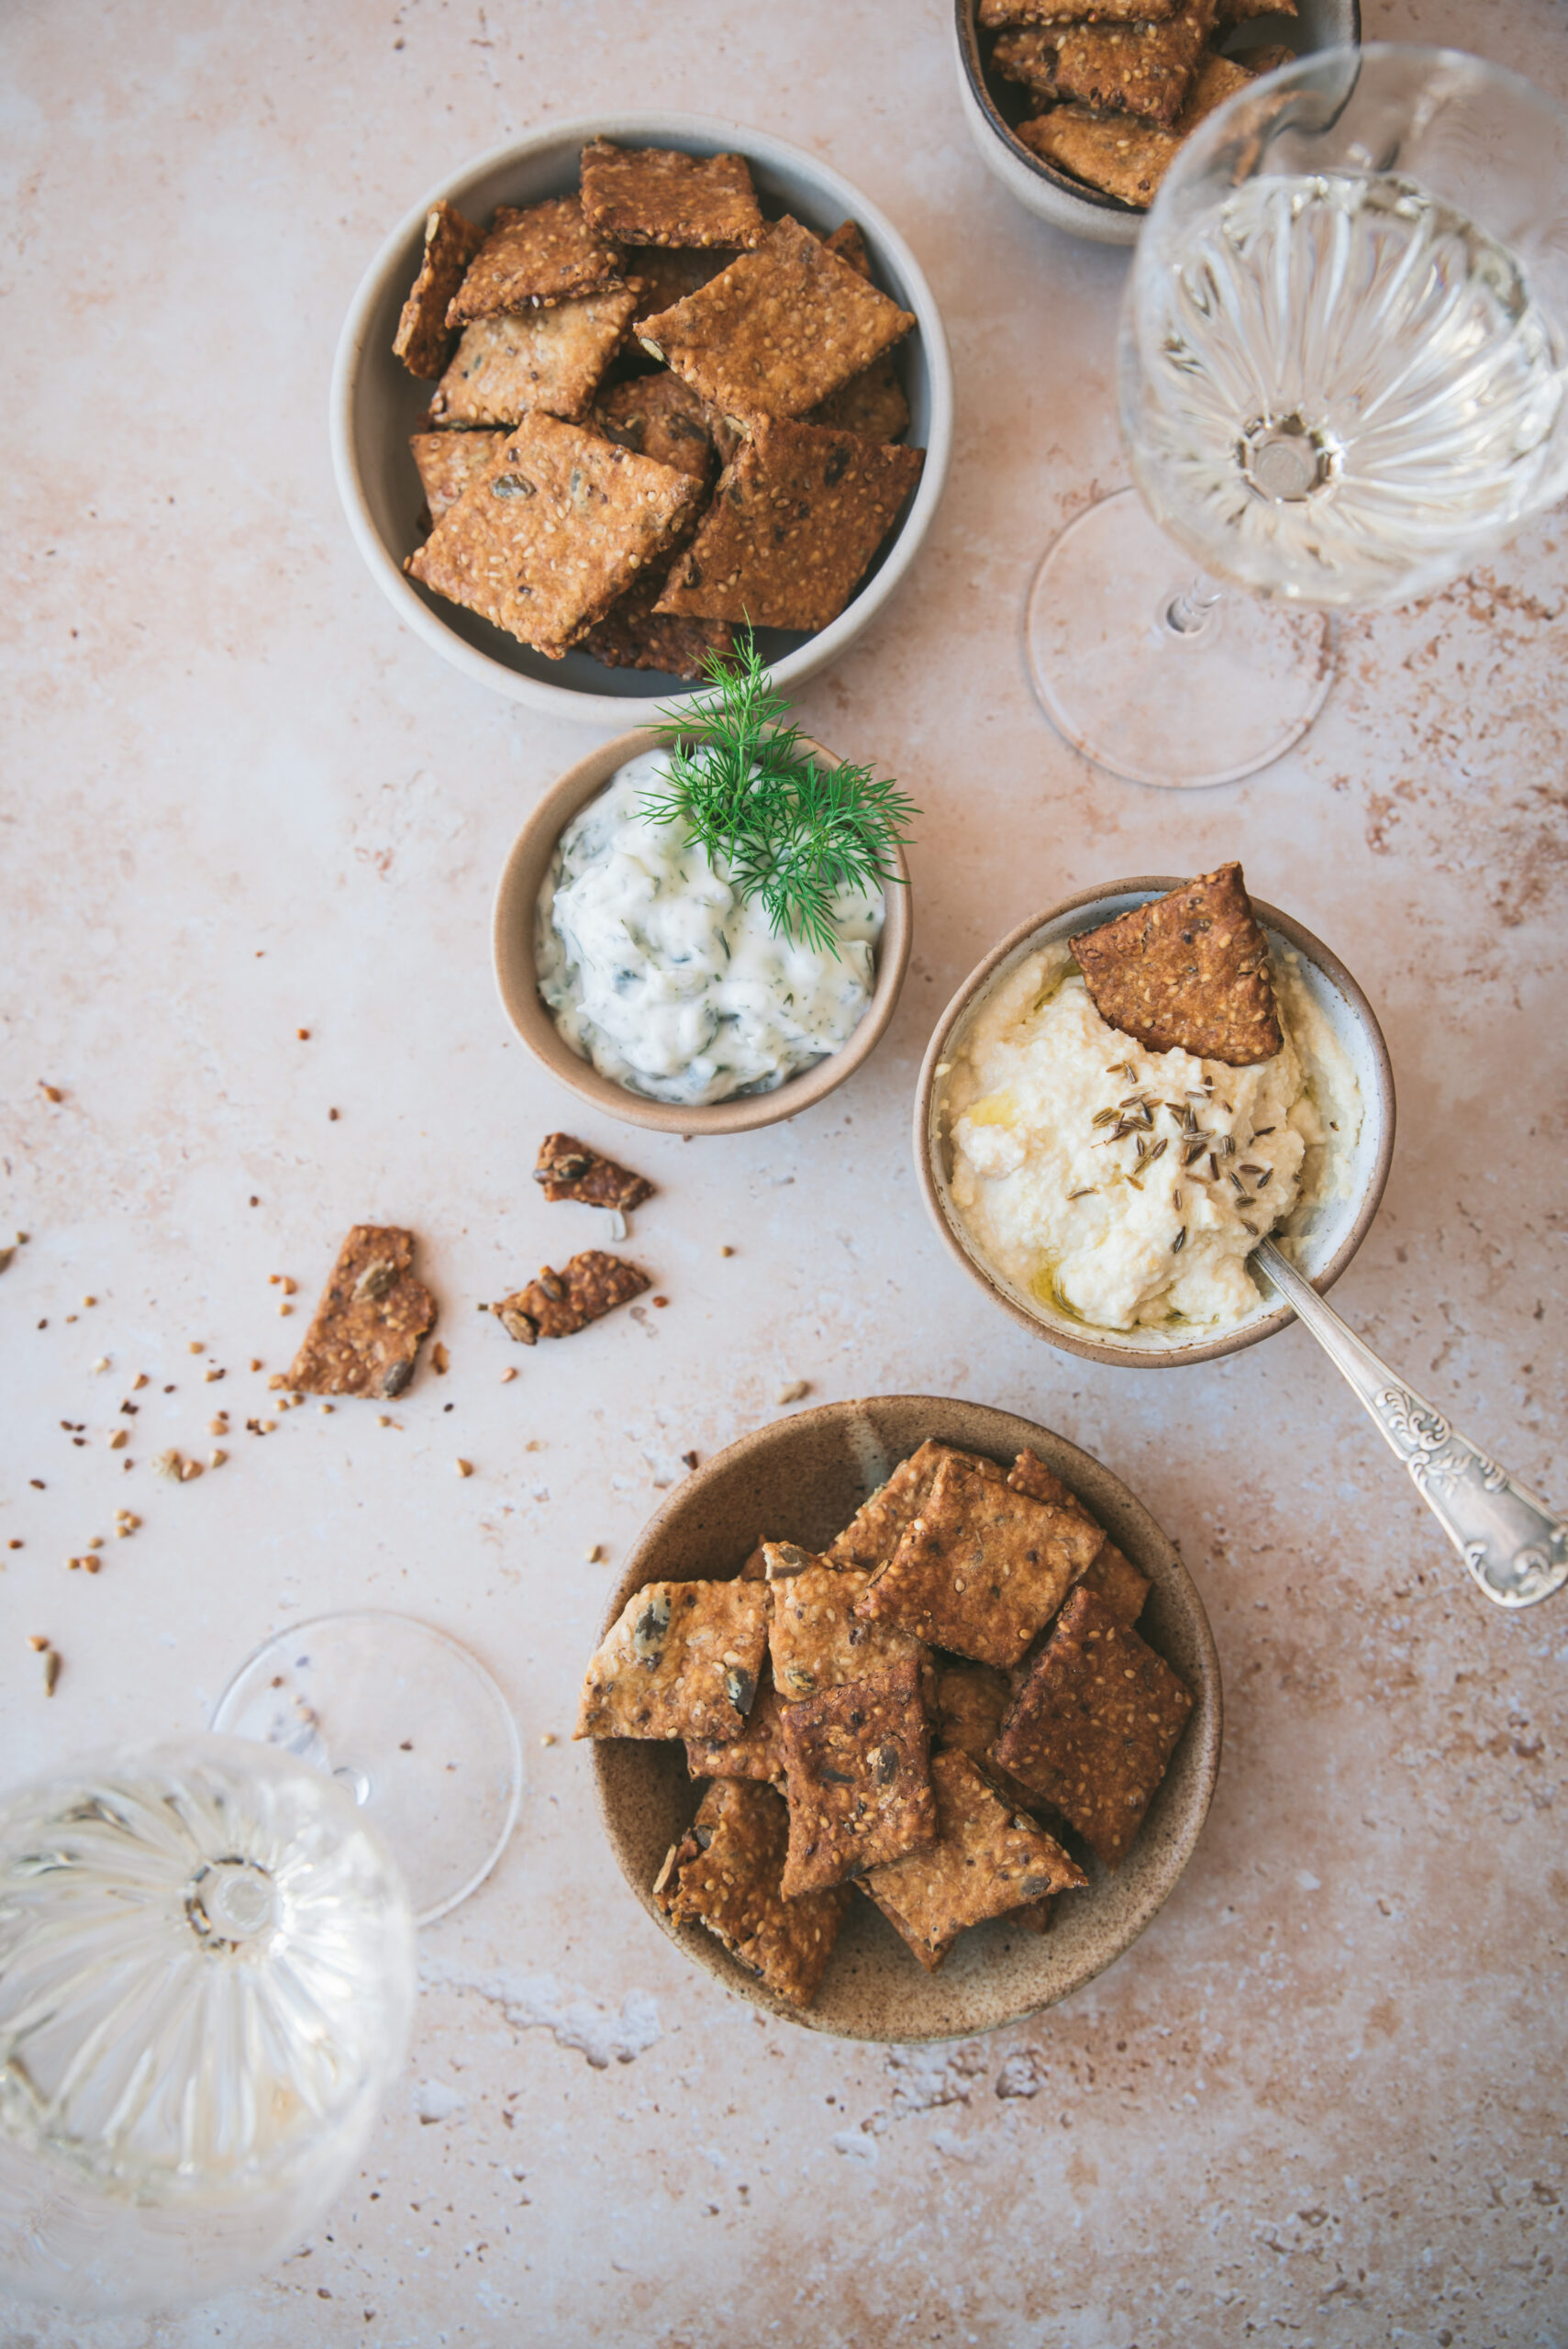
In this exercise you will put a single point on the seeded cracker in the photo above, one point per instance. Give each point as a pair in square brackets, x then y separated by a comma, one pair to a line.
[365, 1332]
[985, 1861]
[450, 462]
[634, 634]
[1188, 970]
[981, 1567]
[1217, 79]
[568, 1169]
[1063, 12]
[543, 547]
[1095, 1724]
[657, 195]
[972, 1699]
[1123, 158]
[1142, 68]
[534, 258]
[1029, 56]
[682, 1661]
[557, 1304]
[507, 368]
[877, 1527]
[660, 416]
[777, 330]
[858, 1776]
[851, 247]
[725, 1873]
[423, 341]
[757, 1753]
[667, 274]
[813, 1638]
[792, 525]
[870, 404]
[1116, 1580]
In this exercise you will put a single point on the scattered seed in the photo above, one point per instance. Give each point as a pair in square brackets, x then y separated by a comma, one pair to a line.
[303, 1035]
[1227, 1144]
[660, 1300]
[37, 1642]
[726, 1250]
[332, 1115]
[51, 1091]
[1259, 1131]
[1193, 1150]
[91, 1562]
[89, 1300]
[37, 1483]
[440, 1360]
[1180, 1241]
[1106, 1116]
[1089, 1191]
[1214, 1165]
[465, 1467]
[1247, 1227]
[324, 1407]
[793, 1391]
[139, 1381]
[167, 1463]
[547, 1737]
[190, 1472]
[690, 1458]
[256, 1365]
[1158, 1151]
[216, 1459]
[14, 1542]
[102, 1362]
[51, 1657]
[1176, 1199]
[119, 1439]
[508, 1374]
[1248, 1167]
[285, 1308]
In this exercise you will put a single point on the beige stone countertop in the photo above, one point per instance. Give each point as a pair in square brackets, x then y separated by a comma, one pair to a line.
[1323, 2101]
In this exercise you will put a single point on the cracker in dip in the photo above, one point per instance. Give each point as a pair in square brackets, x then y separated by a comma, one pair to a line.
[1124, 1187]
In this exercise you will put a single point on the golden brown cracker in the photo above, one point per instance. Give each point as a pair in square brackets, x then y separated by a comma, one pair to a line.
[569, 1169]
[365, 1332]
[874, 1532]
[1071, 12]
[848, 243]
[1123, 158]
[984, 1861]
[870, 404]
[757, 1753]
[450, 462]
[1189, 972]
[1117, 1581]
[814, 1638]
[553, 361]
[634, 634]
[424, 340]
[1139, 69]
[1027, 55]
[681, 1660]
[725, 1873]
[970, 1701]
[659, 195]
[661, 418]
[1095, 1724]
[1217, 79]
[558, 1304]
[534, 258]
[857, 1765]
[665, 275]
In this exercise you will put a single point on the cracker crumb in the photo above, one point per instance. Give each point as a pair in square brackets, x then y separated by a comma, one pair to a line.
[139, 1381]
[303, 1035]
[89, 1300]
[216, 1459]
[794, 1391]
[726, 1250]
[440, 1360]
[660, 1300]
[167, 1463]
[508, 1374]
[465, 1467]
[37, 1642]
[548, 1738]
[285, 1308]
[192, 1469]
[102, 1362]
[256, 1365]
[211, 1376]
[51, 1091]
[593, 1552]
[119, 1439]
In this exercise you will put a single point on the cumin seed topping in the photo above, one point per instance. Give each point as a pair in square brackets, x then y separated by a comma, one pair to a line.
[1180, 1241]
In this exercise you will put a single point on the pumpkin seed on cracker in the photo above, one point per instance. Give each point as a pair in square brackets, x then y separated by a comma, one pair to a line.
[726, 1872]
[681, 1660]
[857, 1765]
[793, 523]
[544, 545]
[661, 418]
[986, 1861]
[659, 195]
[450, 462]
[424, 340]
[533, 257]
[757, 1753]
[777, 330]
[814, 1638]
[507, 368]
[1189, 972]
[1116, 1580]
[558, 1304]
[365, 1334]
[1027, 55]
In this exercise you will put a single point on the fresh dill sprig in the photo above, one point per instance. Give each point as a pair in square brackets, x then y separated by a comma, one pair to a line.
[789, 833]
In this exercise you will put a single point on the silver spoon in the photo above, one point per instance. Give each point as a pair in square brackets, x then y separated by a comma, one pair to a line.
[1515, 1547]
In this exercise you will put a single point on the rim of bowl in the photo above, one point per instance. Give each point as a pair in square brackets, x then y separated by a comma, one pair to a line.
[1109, 1350]
[512, 919]
[1109, 219]
[591, 707]
[1162, 1860]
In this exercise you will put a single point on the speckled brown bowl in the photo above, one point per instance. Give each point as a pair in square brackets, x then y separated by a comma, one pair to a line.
[1326, 1233]
[799, 1480]
[517, 976]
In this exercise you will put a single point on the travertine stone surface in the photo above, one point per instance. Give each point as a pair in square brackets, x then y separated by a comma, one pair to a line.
[1322, 2101]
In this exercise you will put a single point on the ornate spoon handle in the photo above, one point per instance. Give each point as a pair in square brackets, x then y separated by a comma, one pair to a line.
[1513, 1544]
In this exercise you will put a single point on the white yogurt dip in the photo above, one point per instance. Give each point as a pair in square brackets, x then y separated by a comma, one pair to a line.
[1126, 1187]
[658, 973]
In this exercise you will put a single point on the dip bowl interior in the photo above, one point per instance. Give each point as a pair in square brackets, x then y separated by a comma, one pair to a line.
[1321, 1234]
[800, 1479]
[512, 939]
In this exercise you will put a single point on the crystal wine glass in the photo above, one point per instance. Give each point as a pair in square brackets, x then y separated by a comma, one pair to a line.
[207, 1974]
[1342, 380]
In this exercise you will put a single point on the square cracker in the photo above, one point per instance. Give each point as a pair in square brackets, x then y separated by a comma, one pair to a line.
[792, 525]
[1066, 12]
[557, 1304]
[725, 1873]
[1189, 972]
[814, 1638]
[1118, 1580]
[544, 255]
[569, 1169]
[757, 1753]
[504, 369]
[1095, 1724]
[870, 404]
[659, 195]
[544, 545]
[877, 1527]
[1027, 55]
[665, 275]
[1127, 160]
[972, 1701]
[1217, 79]
[981, 1567]
[423, 341]
[1139, 69]
[777, 330]
[984, 1862]
[365, 1334]
[661, 418]
[681, 1660]
[450, 462]
[857, 1763]
[634, 634]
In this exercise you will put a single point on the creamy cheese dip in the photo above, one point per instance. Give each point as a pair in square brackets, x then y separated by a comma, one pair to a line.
[1126, 1187]
[659, 975]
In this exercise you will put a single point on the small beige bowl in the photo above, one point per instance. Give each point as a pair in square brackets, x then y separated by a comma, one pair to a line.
[512, 938]
[1327, 1232]
[799, 1480]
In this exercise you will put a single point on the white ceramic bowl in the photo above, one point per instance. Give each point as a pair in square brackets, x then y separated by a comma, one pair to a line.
[376, 404]
[993, 105]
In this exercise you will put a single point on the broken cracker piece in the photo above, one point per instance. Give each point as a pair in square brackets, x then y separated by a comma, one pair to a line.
[870, 404]
[681, 1660]
[814, 1638]
[1095, 1724]
[848, 243]
[1139, 69]
[634, 634]
[725, 1873]
[557, 1304]
[534, 258]
[793, 523]
[450, 462]
[424, 340]
[661, 418]
[1118, 1580]
[757, 1753]
[507, 368]
[659, 195]
[857, 1765]
[1123, 158]
[984, 1861]
[877, 1527]
[1027, 55]
[569, 1169]
[1189, 972]
[1217, 79]
[365, 1334]
[1066, 12]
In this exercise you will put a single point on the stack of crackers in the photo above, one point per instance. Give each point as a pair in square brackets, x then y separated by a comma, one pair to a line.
[950, 1705]
[1113, 86]
[657, 414]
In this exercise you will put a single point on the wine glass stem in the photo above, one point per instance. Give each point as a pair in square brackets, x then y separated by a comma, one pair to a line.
[1190, 611]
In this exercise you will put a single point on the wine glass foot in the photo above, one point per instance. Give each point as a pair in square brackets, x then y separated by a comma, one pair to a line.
[1150, 700]
[409, 1723]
